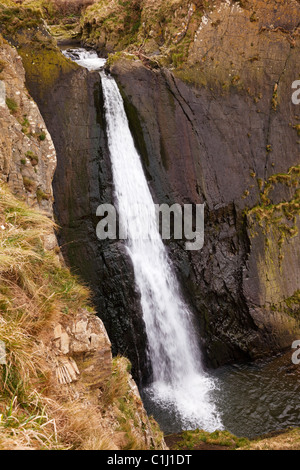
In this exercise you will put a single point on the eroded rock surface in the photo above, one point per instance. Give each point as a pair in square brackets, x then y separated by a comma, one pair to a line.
[215, 133]
[27, 153]
[78, 352]
[83, 350]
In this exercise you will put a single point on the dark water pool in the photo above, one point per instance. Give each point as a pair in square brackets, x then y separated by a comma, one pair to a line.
[252, 399]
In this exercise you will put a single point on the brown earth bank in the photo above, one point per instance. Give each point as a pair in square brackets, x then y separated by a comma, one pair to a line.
[174, 441]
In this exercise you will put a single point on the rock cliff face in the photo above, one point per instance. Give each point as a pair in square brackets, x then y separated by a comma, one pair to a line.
[78, 353]
[71, 102]
[71, 345]
[73, 111]
[27, 153]
[213, 127]
[222, 129]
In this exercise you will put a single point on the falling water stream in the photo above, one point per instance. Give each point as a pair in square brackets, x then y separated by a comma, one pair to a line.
[179, 384]
[182, 395]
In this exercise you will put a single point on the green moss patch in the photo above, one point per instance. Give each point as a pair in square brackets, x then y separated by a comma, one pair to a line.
[193, 439]
[12, 105]
[281, 216]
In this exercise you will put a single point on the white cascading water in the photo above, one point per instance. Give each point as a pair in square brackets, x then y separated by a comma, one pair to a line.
[179, 381]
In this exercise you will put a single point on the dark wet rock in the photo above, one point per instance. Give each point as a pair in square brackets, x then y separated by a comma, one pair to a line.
[201, 144]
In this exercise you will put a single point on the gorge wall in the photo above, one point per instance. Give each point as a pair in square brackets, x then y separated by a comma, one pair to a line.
[222, 129]
[45, 314]
[73, 111]
[71, 102]
[27, 153]
[210, 128]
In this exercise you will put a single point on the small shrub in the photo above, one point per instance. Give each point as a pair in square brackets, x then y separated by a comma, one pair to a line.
[28, 184]
[25, 125]
[32, 157]
[41, 196]
[12, 105]
[42, 136]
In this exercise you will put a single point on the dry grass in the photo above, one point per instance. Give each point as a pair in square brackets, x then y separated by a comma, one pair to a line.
[34, 287]
[289, 440]
[119, 398]
[35, 292]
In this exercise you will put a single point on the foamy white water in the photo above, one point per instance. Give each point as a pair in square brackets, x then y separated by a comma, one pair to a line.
[179, 381]
[87, 59]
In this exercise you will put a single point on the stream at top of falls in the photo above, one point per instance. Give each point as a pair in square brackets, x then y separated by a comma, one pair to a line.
[246, 400]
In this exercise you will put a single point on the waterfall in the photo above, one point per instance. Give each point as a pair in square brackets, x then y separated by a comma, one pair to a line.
[179, 382]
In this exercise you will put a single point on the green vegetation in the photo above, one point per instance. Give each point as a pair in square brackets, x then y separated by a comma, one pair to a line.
[12, 105]
[31, 13]
[25, 125]
[44, 65]
[41, 196]
[14, 17]
[42, 136]
[119, 21]
[290, 306]
[113, 58]
[191, 439]
[288, 440]
[119, 395]
[28, 184]
[43, 61]
[34, 159]
[283, 215]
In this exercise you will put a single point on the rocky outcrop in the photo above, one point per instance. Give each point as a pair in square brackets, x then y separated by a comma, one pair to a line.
[27, 153]
[111, 26]
[157, 27]
[78, 353]
[82, 349]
